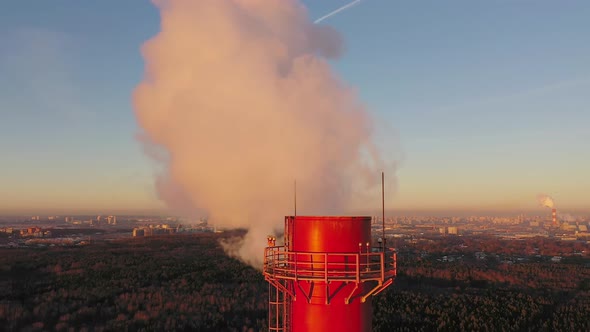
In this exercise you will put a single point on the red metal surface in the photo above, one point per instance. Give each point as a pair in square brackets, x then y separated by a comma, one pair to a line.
[328, 273]
[330, 235]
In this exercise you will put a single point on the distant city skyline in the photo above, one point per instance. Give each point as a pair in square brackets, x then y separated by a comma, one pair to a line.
[483, 105]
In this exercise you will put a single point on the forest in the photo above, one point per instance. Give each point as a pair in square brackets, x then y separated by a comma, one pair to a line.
[187, 283]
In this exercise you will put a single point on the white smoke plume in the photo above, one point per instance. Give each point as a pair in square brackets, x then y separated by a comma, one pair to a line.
[568, 217]
[545, 201]
[241, 98]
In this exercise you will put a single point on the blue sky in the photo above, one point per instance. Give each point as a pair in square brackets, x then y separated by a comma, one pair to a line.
[484, 103]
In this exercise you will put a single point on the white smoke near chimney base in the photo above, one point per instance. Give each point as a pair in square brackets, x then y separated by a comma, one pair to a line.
[568, 217]
[545, 201]
[240, 96]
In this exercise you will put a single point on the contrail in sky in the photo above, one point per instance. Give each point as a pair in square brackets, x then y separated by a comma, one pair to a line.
[345, 7]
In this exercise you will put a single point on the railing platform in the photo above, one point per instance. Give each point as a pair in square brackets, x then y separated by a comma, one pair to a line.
[280, 263]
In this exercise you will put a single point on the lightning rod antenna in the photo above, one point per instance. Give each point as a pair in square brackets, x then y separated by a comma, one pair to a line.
[383, 206]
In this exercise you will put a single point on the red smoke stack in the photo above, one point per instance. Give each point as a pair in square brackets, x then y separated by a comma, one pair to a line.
[554, 216]
[323, 278]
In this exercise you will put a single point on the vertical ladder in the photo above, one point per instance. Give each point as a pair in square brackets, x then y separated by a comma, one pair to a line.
[279, 308]
[287, 313]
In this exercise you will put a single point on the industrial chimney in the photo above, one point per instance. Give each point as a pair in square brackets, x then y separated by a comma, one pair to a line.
[554, 217]
[323, 277]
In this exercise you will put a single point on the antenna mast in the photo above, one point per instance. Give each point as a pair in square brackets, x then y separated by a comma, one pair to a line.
[383, 206]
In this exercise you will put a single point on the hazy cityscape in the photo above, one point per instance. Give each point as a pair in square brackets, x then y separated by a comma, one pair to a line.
[80, 229]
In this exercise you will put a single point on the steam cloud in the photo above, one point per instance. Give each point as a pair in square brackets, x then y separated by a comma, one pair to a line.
[237, 102]
[545, 201]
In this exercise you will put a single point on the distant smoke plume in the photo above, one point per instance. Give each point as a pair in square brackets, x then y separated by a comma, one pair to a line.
[242, 100]
[545, 201]
[568, 217]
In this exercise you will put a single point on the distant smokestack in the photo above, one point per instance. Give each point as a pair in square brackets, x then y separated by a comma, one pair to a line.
[547, 201]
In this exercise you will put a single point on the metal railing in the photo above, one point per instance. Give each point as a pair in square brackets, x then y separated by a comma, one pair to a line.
[281, 263]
